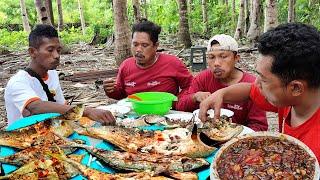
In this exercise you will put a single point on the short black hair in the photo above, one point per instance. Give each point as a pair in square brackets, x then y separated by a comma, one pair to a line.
[39, 32]
[295, 48]
[148, 27]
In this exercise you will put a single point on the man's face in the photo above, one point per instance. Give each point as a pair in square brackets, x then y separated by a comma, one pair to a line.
[143, 49]
[47, 55]
[221, 62]
[270, 85]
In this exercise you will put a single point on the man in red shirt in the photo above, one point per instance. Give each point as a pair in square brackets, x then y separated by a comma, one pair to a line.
[288, 83]
[222, 57]
[148, 70]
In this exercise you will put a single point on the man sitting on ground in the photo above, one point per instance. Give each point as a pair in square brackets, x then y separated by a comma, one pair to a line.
[37, 89]
[222, 56]
[288, 82]
[148, 70]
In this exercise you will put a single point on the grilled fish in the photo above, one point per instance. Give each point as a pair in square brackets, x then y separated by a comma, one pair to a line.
[169, 142]
[222, 130]
[156, 163]
[93, 174]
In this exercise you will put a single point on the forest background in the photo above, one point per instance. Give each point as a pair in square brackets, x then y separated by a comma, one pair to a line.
[204, 18]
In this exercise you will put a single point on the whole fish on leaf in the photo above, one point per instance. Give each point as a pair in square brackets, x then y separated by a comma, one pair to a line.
[127, 139]
[93, 174]
[221, 130]
[169, 142]
[156, 163]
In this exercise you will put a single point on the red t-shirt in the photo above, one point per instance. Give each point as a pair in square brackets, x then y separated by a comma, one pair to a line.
[308, 132]
[168, 74]
[245, 113]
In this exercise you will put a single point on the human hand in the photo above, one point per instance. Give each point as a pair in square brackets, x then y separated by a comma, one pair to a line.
[214, 101]
[109, 85]
[200, 96]
[103, 116]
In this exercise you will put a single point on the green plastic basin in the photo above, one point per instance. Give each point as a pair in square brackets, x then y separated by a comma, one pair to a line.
[153, 102]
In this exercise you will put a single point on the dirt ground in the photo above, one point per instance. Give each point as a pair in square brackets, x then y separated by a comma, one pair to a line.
[84, 58]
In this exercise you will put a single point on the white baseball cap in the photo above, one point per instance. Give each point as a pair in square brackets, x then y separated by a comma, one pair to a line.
[226, 43]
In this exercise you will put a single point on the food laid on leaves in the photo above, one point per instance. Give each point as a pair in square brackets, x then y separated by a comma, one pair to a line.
[265, 155]
[140, 162]
[173, 152]
[97, 175]
[39, 145]
[168, 142]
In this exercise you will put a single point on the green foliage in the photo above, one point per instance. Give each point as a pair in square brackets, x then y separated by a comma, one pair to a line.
[15, 40]
[220, 20]
[74, 35]
[99, 18]
[304, 13]
[166, 14]
[18, 40]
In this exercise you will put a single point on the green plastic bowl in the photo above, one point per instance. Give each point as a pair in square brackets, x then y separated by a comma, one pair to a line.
[152, 102]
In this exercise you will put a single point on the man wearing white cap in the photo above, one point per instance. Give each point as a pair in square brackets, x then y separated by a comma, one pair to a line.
[222, 52]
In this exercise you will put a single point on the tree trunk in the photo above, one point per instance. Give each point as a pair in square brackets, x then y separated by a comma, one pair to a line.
[42, 12]
[233, 11]
[136, 10]
[122, 31]
[25, 19]
[60, 15]
[83, 23]
[254, 30]
[291, 11]
[190, 6]
[204, 16]
[184, 35]
[240, 31]
[247, 15]
[48, 5]
[271, 15]
[145, 8]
